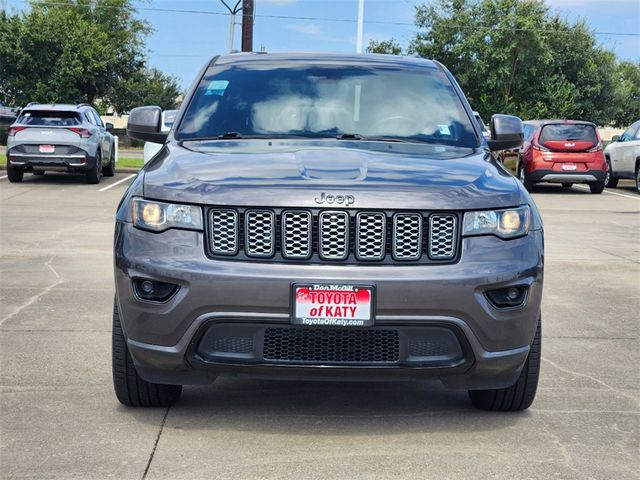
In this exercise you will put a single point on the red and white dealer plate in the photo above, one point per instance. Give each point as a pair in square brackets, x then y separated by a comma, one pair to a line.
[333, 305]
[47, 148]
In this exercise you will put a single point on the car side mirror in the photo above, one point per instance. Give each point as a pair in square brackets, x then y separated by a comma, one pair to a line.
[108, 126]
[615, 138]
[506, 132]
[144, 124]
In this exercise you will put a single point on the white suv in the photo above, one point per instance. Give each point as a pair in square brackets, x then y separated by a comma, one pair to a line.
[623, 157]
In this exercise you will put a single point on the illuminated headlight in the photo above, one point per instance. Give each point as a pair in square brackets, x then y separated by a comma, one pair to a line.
[509, 223]
[160, 216]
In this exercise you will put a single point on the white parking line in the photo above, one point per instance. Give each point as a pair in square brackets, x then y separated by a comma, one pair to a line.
[117, 183]
[583, 187]
[4, 176]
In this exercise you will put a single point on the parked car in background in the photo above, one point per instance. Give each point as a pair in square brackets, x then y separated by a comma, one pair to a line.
[623, 157]
[561, 151]
[61, 138]
[8, 115]
[150, 148]
[326, 216]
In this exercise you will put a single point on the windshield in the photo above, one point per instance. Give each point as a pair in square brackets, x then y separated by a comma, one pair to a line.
[49, 118]
[269, 100]
[562, 132]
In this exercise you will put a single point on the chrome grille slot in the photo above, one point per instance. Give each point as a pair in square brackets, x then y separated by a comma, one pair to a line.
[260, 233]
[442, 236]
[371, 236]
[407, 236]
[223, 225]
[296, 234]
[334, 235]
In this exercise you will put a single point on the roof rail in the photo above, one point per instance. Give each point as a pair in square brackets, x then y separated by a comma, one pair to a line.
[31, 104]
[83, 105]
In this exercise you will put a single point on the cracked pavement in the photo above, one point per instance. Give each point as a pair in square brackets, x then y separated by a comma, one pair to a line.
[60, 419]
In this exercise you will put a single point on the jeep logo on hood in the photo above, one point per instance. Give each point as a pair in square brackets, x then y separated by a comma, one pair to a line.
[337, 199]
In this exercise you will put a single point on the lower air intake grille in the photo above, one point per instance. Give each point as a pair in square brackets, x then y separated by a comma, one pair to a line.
[331, 346]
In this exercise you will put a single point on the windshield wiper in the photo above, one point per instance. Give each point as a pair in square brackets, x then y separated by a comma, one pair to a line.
[357, 136]
[229, 135]
[350, 136]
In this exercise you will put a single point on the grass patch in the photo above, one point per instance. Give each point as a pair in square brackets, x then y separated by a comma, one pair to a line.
[127, 162]
[124, 162]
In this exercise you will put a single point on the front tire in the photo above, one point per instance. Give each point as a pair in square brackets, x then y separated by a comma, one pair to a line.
[15, 175]
[520, 395]
[596, 187]
[110, 170]
[609, 180]
[130, 388]
[638, 177]
[95, 172]
[522, 176]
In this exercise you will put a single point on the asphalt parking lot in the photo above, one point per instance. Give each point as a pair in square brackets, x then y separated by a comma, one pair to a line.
[60, 418]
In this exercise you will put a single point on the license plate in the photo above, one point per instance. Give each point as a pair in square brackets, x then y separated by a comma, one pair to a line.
[333, 305]
[569, 166]
[47, 148]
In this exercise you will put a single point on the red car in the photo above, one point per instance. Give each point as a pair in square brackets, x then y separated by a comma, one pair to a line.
[562, 151]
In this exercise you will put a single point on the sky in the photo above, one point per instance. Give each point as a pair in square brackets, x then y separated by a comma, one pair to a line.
[182, 42]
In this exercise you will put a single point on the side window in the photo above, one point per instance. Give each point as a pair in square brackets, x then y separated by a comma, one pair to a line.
[637, 135]
[89, 117]
[97, 117]
[528, 132]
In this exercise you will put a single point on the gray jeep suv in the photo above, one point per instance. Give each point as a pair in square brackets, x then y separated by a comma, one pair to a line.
[326, 217]
[62, 138]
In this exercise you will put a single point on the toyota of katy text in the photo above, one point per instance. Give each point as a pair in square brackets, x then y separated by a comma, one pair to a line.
[317, 216]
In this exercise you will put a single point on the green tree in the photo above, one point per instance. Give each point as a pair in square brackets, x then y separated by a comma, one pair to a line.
[513, 56]
[146, 87]
[627, 94]
[73, 51]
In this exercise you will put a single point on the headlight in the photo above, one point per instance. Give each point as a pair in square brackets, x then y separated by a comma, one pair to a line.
[509, 223]
[160, 216]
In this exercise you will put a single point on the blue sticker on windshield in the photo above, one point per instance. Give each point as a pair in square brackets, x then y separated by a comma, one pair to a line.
[216, 87]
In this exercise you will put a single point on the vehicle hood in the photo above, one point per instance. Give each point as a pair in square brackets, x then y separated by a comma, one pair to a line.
[298, 177]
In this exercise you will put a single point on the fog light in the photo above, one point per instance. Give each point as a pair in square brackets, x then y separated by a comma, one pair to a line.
[509, 297]
[154, 291]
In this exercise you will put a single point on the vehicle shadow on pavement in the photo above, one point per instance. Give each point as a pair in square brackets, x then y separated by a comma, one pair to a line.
[55, 179]
[331, 408]
[556, 189]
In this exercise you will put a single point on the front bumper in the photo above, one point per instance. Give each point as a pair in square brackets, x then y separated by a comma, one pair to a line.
[167, 340]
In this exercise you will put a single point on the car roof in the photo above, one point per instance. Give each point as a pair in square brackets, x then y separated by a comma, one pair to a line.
[323, 58]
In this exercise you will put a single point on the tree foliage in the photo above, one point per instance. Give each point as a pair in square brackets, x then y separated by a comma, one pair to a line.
[514, 56]
[77, 51]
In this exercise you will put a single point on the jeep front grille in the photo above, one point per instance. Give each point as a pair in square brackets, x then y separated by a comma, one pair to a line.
[333, 235]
